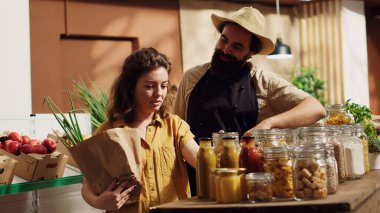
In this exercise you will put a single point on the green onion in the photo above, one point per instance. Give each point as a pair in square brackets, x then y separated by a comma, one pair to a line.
[69, 124]
[96, 102]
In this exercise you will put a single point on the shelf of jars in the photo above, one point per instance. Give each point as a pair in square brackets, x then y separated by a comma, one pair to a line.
[361, 195]
[71, 175]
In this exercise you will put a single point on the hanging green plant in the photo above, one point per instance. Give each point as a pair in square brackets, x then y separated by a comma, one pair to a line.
[305, 79]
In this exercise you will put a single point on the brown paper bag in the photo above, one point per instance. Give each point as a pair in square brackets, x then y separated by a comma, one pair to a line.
[115, 153]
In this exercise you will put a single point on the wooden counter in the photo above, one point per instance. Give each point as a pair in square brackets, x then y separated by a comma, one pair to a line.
[361, 195]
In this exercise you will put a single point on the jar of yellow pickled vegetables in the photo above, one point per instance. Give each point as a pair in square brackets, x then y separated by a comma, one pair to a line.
[277, 162]
[337, 115]
[227, 186]
[230, 155]
[217, 143]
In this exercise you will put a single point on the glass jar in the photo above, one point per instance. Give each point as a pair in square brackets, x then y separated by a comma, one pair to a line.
[353, 152]
[313, 135]
[212, 190]
[230, 156]
[243, 183]
[277, 162]
[269, 138]
[250, 157]
[291, 137]
[332, 169]
[335, 140]
[359, 132]
[309, 172]
[337, 115]
[206, 161]
[217, 183]
[217, 143]
[259, 186]
[228, 182]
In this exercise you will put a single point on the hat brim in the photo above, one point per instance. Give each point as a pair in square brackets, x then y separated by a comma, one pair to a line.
[267, 44]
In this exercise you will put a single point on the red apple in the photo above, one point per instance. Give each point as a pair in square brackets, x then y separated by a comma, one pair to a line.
[39, 149]
[14, 136]
[34, 142]
[27, 148]
[1, 145]
[13, 147]
[49, 144]
[25, 139]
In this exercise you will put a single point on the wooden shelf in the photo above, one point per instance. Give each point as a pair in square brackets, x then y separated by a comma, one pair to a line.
[361, 195]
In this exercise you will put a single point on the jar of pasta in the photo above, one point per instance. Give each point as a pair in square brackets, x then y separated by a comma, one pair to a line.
[217, 143]
[228, 185]
[259, 186]
[359, 132]
[277, 162]
[269, 138]
[309, 172]
[337, 115]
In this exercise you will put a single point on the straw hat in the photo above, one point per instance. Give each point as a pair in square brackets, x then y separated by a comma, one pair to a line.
[250, 19]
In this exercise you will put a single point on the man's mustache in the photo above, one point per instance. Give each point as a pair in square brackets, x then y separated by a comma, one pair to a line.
[220, 53]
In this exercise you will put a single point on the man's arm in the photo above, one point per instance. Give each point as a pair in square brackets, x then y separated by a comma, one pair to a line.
[307, 112]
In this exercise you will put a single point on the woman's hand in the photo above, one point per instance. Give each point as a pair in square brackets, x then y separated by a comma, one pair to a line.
[114, 198]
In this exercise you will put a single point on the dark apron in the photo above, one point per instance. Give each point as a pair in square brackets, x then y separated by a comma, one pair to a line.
[221, 104]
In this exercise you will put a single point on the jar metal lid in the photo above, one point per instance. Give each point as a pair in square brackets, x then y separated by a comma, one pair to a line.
[259, 176]
[226, 171]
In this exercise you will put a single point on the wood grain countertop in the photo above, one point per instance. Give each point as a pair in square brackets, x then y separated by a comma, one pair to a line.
[362, 195]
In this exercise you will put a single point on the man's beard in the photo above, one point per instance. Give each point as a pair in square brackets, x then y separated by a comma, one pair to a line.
[226, 69]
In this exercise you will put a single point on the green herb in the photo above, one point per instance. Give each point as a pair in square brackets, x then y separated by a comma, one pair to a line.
[306, 80]
[96, 102]
[362, 114]
[69, 124]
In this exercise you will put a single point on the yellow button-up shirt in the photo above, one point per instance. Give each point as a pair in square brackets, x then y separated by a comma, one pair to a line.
[164, 175]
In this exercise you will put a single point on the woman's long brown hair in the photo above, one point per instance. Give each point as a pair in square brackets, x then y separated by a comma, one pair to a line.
[140, 62]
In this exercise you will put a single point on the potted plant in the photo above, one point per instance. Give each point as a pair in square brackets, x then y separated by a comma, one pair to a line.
[305, 79]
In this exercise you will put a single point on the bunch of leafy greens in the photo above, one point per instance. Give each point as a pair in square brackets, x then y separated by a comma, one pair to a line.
[306, 80]
[69, 124]
[362, 114]
[96, 101]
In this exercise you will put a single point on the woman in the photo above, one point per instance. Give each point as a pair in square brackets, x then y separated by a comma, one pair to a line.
[139, 99]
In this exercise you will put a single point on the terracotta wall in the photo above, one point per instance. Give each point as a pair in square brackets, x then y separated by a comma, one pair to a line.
[73, 39]
[373, 44]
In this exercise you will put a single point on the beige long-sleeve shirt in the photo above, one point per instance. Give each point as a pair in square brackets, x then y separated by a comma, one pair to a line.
[275, 95]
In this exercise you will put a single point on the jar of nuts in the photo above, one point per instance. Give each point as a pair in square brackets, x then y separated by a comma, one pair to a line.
[259, 186]
[277, 162]
[309, 172]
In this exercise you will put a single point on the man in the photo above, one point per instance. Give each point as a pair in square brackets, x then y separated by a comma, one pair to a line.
[232, 94]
